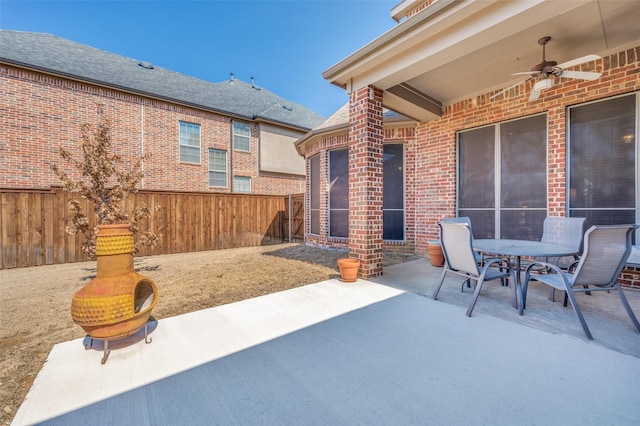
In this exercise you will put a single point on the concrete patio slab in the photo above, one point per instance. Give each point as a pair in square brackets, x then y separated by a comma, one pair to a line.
[340, 353]
[605, 315]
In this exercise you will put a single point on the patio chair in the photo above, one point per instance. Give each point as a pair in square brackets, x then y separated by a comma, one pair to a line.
[460, 259]
[566, 231]
[466, 220]
[606, 249]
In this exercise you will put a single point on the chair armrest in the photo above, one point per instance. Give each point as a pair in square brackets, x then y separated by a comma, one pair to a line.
[544, 265]
[491, 261]
[573, 266]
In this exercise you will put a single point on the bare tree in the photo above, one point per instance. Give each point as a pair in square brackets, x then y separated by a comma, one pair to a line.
[106, 181]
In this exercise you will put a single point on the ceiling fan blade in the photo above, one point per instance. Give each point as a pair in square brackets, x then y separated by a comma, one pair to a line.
[582, 75]
[508, 88]
[535, 94]
[578, 61]
[526, 73]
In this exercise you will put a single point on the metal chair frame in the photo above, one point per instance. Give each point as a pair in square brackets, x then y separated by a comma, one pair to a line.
[594, 271]
[460, 259]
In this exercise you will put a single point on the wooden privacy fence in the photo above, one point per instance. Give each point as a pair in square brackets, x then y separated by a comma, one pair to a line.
[33, 223]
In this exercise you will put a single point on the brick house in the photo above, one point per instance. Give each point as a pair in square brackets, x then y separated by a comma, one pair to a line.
[206, 137]
[458, 143]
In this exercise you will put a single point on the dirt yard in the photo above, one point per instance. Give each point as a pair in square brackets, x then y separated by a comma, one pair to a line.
[35, 302]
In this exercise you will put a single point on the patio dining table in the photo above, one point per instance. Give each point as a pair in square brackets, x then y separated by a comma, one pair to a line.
[519, 248]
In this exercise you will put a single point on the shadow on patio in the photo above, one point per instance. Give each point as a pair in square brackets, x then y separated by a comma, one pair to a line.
[605, 315]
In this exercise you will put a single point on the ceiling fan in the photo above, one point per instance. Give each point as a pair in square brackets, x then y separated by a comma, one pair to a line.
[545, 70]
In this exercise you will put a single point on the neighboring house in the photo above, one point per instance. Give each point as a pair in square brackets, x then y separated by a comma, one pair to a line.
[206, 137]
[470, 147]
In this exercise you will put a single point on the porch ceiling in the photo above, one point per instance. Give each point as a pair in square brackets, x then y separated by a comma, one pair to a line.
[454, 50]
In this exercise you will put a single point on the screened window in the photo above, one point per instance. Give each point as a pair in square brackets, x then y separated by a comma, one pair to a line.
[217, 167]
[314, 194]
[393, 192]
[242, 184]
[241, 136]
[603, 182]
[189, 142]
[339, 193]
[502, 176]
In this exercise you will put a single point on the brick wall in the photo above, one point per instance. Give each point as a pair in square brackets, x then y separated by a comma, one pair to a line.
[630, 278]
[40, 113]
[365, 180]
[436, 156]
[321, 147]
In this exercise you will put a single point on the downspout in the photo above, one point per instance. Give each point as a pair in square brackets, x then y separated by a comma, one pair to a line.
[231, 156]
[142, 144]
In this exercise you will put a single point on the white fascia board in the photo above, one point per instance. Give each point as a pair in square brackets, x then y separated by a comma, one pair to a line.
[456, 32]
[403, 8]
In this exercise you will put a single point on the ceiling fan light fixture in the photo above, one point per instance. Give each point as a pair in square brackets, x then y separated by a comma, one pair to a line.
[544, 84]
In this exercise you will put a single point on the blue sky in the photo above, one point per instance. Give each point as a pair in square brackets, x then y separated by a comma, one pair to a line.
[285, 45]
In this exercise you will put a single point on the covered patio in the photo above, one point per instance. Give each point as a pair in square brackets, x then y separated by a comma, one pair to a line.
[377, 351]
[442, 122]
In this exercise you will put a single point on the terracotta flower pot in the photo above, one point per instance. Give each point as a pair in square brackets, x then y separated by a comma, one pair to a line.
[118, 301]
[348, 269]
[436, 255]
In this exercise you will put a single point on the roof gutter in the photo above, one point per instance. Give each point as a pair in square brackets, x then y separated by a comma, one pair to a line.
[340, 127]
[80, 79]
[281, 123]
[299, 144]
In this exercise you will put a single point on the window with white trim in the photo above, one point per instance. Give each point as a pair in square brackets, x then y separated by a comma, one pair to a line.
[242, 184]
[241, 136]
[189, 142]
[217, 168]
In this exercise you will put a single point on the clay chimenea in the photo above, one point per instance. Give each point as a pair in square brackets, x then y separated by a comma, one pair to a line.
[118, 301]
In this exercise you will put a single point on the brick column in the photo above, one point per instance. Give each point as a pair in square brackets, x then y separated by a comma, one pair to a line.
[365, 180]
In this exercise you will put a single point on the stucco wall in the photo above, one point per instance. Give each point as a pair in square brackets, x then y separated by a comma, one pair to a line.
[277, 151]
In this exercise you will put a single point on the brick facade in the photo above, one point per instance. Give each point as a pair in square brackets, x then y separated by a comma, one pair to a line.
[399, 133]
[431, 157]
[436, 162]
[41, 113]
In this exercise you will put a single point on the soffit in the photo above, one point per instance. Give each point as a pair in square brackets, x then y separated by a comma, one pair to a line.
[466, 48]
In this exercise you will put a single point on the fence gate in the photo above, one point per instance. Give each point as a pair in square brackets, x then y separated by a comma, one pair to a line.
[296, 217]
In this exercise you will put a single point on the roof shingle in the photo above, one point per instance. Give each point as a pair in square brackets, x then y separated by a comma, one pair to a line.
[57, 55]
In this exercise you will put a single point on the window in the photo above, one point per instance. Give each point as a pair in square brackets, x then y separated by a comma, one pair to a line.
[339, 193]
[602, 150]
[189, 142]
[314, 194]
[242, 184]
[217, 167]
[393, 192]
[241, 136]
[502, 178]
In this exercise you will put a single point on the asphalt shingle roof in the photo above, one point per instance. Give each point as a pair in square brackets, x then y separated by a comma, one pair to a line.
[57, 55]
